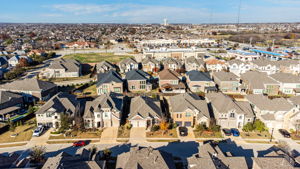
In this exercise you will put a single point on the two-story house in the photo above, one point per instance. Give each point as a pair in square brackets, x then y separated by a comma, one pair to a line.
[289, 83]
[108, 82]
[226, 82]
[215, 65]
[200, 81]
[266, 66]
[172, 64]
[170, 82]
[128, 64]
[104, 111]
[11, 104]
[138, 80]
[105, 66]
[238, 67]
[150, 64]
[192, 63]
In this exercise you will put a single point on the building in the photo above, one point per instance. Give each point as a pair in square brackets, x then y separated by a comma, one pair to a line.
[105, 66]
[80, 45]
[128, 64]
[150, 65]
[230, 113]
[104, 111]
[145, 158]
[238, 67]
[144, 112]
[31, 89]
[108, 82]
[259, 83]
[172, 64]
[188, 110]
[138, 80]
[11, 104]
[242, 55]
[226, 82]
[200, 81]
[62, 68]
[192, 63]
[170, 82]
[50, 113]
[13, 61]
[215, 65]
[289, 83]
[266, 66]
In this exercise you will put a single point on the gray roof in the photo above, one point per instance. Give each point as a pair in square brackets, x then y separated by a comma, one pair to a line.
[264, 62]
[137, 75]
[6, 96]
[211, 157]
[145, 107]
[257, 80]
[62, 103]
[109, 77]
[285, 78]
[127, 61]
[195, 75]
[192, 59]
[224, 103]
[69, 65]
[182, 102]
[225, 76]
[146, 158]
[28, 85]
[150, 60]
[294, 100]
[171, 61]
[105, 64]
[264, 103]
[104, 101]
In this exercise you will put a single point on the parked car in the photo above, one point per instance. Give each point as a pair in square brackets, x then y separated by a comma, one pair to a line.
[235, 132]
[284, 133]
[79, 144]
[38, 131]
[183, 131]
[227, 132]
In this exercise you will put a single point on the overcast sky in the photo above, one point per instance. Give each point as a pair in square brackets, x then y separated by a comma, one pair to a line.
[149, 11]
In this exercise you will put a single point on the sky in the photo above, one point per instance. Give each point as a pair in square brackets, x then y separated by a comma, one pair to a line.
[149, 11]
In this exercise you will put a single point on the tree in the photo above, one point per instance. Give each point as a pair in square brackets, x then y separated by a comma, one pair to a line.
[65, 122]
[23, 62]
[155, 128]
[12, 126]
[201, 127]
[248, 127]
[31, 109]
[37, 153]
[163, 125]
[259, 126]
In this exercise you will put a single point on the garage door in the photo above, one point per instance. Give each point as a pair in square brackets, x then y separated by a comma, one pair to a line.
[179, 123]
[187, 124]
[138, 123]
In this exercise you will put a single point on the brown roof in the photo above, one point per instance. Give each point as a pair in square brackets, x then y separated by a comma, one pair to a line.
[167, 74]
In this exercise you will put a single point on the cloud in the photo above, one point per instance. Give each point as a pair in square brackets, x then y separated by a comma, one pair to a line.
[81, 9]
[52, 15]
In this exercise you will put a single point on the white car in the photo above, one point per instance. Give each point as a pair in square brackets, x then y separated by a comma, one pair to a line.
[38, 131]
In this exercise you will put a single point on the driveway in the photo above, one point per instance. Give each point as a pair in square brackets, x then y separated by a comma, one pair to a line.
[42, 140]
[189, 137]
[109, 135]
[137, 134]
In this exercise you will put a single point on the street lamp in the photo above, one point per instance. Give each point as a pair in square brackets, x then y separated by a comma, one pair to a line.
[272, 134]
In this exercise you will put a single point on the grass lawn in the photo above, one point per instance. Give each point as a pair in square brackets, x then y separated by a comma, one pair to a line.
[157, 140]
[256, 135]
[199, 134]
[91, 90]
[24, 133]
[123, 133]
[160, 134]
[67, 78]
[79, 135]
[261, 142]
[69, 141]
[96, 57]
[12, 145]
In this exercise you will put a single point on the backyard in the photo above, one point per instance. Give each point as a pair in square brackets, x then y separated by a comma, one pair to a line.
[96, 57]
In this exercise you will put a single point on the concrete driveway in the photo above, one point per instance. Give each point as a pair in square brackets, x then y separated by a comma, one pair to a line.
[137, 134]
[109, 135]
[42, 140]
[189, 137]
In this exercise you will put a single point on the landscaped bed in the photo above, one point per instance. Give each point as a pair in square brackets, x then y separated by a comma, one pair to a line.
[96, 57]
[20, 134]
[123, 132]
[171, 133]
[256, 135]
[207, 134]
[77, 134]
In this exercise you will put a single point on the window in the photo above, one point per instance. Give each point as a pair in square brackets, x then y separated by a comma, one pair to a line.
[188, 114]
[117, 90]
[132, 87]
[98, 115]
[231, 115]
[241, 117]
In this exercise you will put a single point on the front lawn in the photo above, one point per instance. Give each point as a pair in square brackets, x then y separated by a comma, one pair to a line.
[256, 135]
[78, 134]
[20, 134]
[207, 134]
[67, 78]
[171, 133]
[96, 57]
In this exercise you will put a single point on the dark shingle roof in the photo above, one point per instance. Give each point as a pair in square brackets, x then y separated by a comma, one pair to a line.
[108, 77]
[195, 75]
[136, 75]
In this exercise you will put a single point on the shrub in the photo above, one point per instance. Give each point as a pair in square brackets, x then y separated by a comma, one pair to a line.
[201, 127]
[215, 128]
[248, 127]
[259, 126]
[155, 128]
[128, 126]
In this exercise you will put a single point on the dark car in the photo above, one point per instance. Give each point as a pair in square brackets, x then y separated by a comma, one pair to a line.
[227, 132]
[183, 131]
[79, 143]
[235, 132]
[284, 133]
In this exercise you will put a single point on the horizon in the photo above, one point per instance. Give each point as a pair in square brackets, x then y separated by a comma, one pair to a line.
[152, 12]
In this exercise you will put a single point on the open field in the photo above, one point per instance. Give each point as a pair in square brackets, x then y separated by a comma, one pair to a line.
[96, 57]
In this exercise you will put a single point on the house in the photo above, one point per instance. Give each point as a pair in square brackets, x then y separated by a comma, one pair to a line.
[13, 61]
[104, 111]
[128, 64]
[172, 64]
[81, 160]
[192, 63]
[50, 113]
[150, 64]
[275, 158]
[105, 66]
[200, 81]
[62, 68]
[230, 113]
[7, 159]
[31, 89]
[3, 62]
[108, 82]
[275, 113]
[145, 158]
[170, 82]
[266, 66]
[144, 112]
[210, 156]
[259, 83]
[242, 55]
[138, 80]
[289, 83]
[188, 109]
[289, 66]
[226, 82]
[11, 104]
[80, 45]
[215, 65]
[238, 67]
